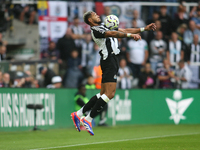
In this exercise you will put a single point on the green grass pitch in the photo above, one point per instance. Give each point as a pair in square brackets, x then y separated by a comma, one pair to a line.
[130, 137]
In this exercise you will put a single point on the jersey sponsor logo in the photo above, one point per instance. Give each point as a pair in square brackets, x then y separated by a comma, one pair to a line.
[177, 106]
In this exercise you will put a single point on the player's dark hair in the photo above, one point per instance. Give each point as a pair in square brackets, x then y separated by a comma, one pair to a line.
[86, 16]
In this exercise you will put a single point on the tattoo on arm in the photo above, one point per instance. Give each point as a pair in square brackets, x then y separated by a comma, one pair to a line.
[120, 34]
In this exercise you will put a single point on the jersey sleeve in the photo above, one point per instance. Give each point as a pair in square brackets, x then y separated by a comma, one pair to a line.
[98, 32]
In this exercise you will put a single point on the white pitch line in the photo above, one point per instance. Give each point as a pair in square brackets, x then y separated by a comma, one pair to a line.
[103, 142]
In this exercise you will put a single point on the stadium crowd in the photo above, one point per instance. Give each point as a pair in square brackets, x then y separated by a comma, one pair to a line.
[161, 59]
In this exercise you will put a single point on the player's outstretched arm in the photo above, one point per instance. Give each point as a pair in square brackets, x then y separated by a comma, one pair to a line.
[149, 27]
[118, 34]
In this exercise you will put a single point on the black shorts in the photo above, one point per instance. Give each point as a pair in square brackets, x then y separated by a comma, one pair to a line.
[109, 68]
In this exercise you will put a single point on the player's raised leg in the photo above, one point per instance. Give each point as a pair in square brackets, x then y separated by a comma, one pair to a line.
[107, 94]
[77, 115]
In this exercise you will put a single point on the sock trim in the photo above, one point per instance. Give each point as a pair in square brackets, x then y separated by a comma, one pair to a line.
[89, 118]
[98, 95]
[80, 112]
[105, 98]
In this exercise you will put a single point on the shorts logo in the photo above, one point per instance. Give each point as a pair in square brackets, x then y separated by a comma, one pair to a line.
[115, 76]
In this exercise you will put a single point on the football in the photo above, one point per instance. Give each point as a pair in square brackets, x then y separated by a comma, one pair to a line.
[111, 22]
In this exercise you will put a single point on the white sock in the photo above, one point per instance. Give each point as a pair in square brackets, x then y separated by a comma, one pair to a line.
[88, 118]
[80, 112]
[105, 98]
[98, 95]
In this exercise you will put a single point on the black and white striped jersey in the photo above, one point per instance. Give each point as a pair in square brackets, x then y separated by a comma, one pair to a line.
[78, 30]
[175, 49]
[194, 53]
[106, 45]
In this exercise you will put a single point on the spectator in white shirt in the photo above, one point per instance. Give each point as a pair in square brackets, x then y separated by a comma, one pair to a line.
[183, 75]
[124, 75]
[137, 55]
[140, 22]
[189, 33]
[157, 50]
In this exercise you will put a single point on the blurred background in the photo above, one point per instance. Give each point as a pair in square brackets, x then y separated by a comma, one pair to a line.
[51, 35]
[46, 44]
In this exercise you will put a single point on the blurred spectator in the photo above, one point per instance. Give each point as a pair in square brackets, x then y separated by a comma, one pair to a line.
[35, 84]
[51, 53]
[134, 24]
[56, 82]
[193, 55]
[157, 50]
[6, 80]
[4, 16]
[2, 53]
[151, 34]
[77, 35]
[28, 14]
[180, 31]
[193, 12]
[137, 55]
[183, 75]
[147, 78]
[124, 75]
[97, 74]
[166, 22]
[2, 42]
[1, 79]
[175, 50]
[48, 74]
[65, 45]
[188, 34]
[164, 75]
[87, 50]
[10, 17]
[73, 74]
[122, 43]
[18, 82]
[181, 17]
[94, 58]
[90, 83]
[136, 16]
[155, 17]
[107, 12]
[81, 99]
[197, 19]
[28, 80]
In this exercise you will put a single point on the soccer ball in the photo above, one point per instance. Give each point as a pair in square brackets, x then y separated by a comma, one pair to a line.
[111, 22]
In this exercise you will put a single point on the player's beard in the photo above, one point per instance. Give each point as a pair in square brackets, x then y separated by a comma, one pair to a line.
[98, 22]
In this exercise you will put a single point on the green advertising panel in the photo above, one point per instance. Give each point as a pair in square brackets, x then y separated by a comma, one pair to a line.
[127, 107]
